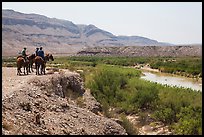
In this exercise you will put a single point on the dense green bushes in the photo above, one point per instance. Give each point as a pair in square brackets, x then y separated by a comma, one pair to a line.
[187, 66]
[8, 61]
[183, 66]
[189, 121]
[109, 82]
[129, 127]
[167, 104]
[122, 61]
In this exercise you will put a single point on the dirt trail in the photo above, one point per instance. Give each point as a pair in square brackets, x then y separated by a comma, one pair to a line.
[11, 81]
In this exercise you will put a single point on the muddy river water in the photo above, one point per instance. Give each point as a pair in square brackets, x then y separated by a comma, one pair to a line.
[172, 80]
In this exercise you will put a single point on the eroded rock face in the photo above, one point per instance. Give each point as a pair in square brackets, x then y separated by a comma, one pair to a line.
[144, 51]
[42, 107]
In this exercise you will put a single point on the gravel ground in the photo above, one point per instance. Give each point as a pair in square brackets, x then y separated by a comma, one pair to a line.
[11, 81]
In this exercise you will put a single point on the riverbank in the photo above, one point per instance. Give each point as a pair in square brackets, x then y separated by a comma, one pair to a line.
[147, 68]
[170, 80]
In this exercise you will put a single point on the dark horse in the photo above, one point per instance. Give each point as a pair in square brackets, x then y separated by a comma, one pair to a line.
[21, 62]
[41, 64]
[31, 59]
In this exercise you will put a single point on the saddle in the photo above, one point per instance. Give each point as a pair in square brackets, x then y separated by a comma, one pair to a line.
[25, 58]
[19, 56]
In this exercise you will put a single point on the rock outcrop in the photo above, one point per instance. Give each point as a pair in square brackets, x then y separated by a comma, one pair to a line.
[144, 51]
[55, 104]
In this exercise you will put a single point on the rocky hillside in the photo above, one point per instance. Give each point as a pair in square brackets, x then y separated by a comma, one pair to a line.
[145, 51]
[57, 36]
[55, 104]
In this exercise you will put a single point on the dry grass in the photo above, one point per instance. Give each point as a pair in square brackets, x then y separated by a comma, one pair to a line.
[7, 124]
[80, 102]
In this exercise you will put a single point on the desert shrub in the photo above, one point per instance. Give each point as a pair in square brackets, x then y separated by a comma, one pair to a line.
[145, 98]
[128, 126]
[143, 117]
[166, 115]
[190, 66]
[105, 109]
[190, 121]
[80, 102]
[144, 94]
[106, 83]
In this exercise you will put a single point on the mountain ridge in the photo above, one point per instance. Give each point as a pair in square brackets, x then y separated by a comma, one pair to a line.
[58, 35]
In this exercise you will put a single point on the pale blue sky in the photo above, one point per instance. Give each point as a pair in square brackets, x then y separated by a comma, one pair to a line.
[172, 22]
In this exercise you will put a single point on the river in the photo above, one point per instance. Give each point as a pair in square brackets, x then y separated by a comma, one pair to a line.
[172, 80]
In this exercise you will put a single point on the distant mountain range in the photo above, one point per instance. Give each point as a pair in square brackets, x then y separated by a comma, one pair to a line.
[58, 36]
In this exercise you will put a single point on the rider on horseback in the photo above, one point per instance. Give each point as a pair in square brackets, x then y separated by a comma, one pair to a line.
[36, 52]
[23, 52]
[41, 53]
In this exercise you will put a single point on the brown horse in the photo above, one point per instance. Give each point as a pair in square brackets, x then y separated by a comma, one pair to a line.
[41, 64]
[21, 62]
[31, 61]
[30, 58]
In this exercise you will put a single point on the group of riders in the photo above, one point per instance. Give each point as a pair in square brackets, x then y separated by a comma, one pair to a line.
[38, 52]
[26, 61]
[38, 57]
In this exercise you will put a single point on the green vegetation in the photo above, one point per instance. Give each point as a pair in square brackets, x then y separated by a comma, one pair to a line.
[128, 126]
[185, 66]
[190, 67]
[9, 61]
[121, 88]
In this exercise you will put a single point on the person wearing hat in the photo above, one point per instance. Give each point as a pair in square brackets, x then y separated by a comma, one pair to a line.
[23, 52]
[36, 52]
[41, 53]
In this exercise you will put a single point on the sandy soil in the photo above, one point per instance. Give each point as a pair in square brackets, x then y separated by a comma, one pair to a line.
[11, 81]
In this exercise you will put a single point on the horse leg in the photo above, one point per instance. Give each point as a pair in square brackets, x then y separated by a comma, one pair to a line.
[41, 69]
[17, 71]
[27, 69]
[32, 67]
[36, 68]
[24, 70]
[20, 70]
[44, 69]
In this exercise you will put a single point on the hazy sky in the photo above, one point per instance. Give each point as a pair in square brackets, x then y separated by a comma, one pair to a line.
[172, 22]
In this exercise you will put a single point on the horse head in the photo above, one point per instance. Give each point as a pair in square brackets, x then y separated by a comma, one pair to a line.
[32, 56]
[49, 56]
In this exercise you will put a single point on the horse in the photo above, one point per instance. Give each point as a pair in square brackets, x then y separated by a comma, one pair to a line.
[39, 62]
[31, 61]
[30, 58]
[21, 62]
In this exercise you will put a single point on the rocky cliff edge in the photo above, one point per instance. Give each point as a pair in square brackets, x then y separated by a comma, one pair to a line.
[55, 104]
